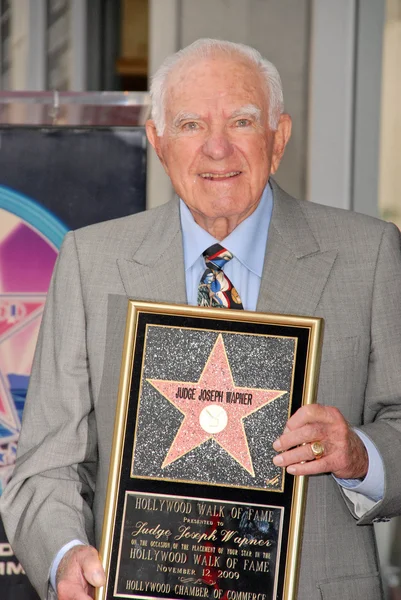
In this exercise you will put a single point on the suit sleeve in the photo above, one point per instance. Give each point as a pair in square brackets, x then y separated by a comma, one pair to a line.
[48, 501]
[382, 411]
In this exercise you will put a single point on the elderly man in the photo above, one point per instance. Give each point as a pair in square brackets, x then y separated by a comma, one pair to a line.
[220, 132]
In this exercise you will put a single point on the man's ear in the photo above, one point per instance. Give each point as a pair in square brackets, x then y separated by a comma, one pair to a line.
[281, 137]
[154, 139]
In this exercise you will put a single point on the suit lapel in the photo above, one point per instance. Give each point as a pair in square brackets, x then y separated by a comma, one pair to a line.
[296, 269]
[155, 272]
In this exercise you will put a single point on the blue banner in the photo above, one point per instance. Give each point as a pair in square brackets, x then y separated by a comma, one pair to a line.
[51, 180]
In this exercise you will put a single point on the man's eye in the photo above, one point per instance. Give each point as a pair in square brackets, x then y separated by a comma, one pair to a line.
[242, 122]
[191, 126]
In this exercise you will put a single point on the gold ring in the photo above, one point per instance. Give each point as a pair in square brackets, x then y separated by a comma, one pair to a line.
[317, 449]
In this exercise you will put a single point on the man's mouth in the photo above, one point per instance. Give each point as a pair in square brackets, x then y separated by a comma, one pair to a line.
[213, 176]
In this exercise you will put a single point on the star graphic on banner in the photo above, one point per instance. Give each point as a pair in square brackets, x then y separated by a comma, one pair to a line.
[214, 408]
[8, 415]
[17, 311]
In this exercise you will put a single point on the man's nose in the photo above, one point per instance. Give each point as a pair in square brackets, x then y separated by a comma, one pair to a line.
[217, 145]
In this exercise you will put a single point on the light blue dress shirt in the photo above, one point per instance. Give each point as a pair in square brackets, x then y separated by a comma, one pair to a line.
[248, 245]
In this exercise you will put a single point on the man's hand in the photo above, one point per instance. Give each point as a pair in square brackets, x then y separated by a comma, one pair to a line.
[344, 453]
[78, 573]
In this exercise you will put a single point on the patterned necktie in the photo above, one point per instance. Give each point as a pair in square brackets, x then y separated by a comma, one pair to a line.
[215, 288]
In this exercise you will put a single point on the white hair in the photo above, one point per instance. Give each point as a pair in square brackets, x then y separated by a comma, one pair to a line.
[204, 48]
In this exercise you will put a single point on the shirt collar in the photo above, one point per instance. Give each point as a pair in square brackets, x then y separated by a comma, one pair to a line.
[247, 242]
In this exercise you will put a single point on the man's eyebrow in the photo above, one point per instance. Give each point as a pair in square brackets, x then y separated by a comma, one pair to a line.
[249, 110]
[185, 116]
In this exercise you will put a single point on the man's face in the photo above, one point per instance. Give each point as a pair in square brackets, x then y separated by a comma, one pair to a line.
[217, 147]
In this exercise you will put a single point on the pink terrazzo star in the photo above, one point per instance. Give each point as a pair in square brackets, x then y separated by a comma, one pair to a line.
[214, 408]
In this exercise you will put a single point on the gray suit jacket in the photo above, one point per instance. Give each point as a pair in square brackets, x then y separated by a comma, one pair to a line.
[319, 261]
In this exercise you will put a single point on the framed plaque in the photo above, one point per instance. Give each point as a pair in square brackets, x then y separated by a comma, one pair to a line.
[195, 506]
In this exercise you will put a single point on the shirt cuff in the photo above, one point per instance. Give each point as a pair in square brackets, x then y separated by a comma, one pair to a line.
[372, 486]
[59, 556]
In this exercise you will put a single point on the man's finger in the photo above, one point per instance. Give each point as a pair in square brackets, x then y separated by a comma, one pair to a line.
[312, 467]
[312, 413]
[80, 571]
[92, 568]
[299, 454]
[303, 435]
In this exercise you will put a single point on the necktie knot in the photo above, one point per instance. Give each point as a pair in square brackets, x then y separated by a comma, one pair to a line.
[216, 256]
[215, 288]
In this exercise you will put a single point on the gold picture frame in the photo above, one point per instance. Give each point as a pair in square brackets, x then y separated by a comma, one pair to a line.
[195, 507]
